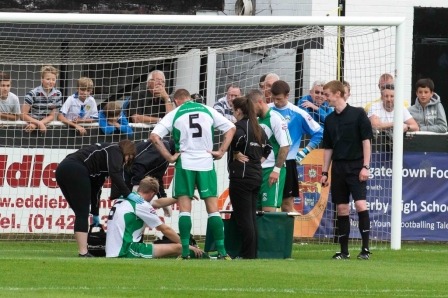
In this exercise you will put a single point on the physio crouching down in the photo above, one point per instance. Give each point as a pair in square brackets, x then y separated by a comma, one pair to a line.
[81, 176]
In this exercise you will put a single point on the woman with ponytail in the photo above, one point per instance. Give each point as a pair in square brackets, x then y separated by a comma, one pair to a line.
[249, 146]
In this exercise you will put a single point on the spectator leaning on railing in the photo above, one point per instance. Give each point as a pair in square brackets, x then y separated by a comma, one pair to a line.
[428, 110]
[9, 102]
[80, 107]
[43, 102]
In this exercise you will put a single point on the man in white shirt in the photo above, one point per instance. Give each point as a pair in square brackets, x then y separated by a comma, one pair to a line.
[192, 126]
[9, 102]
[385, 79]
[381, 116]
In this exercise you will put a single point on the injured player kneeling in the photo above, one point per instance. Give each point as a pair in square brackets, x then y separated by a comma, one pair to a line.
[126, 223]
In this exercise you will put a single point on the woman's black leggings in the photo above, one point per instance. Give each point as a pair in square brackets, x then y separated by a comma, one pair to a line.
[74, 181]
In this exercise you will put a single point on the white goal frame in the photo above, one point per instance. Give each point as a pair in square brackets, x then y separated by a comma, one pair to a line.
[397, 22]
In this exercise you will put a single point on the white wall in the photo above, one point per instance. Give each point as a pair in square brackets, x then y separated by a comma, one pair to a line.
[187, 71]
[312, 73]
[275, 7]
[387, 8]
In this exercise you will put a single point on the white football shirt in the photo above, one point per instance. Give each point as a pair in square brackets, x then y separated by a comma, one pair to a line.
[74, 108]
[192, 126]
[126, 223]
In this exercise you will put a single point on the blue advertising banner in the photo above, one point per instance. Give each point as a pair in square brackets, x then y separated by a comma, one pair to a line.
[425, 196]
[424, 203]
[379, 193]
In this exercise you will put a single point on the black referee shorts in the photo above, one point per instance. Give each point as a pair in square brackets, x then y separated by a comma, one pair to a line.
[345, 181]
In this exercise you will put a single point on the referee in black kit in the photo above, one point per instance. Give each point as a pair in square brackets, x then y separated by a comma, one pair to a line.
[346, 143]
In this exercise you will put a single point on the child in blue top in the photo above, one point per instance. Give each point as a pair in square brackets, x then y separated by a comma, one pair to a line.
[112, 120]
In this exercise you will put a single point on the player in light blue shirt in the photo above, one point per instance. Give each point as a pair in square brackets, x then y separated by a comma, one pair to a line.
[299, 123]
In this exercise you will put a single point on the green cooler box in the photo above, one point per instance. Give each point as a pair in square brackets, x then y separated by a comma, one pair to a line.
[275, 236]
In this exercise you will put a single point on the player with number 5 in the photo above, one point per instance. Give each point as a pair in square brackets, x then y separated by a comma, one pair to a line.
[192, 126]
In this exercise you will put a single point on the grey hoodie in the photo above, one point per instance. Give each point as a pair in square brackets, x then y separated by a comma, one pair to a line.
[432, 117]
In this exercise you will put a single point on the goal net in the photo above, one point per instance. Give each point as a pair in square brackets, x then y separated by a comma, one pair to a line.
[201, 55]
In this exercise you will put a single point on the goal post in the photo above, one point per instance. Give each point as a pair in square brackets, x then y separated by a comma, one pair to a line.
[397, 178]
[202, 54]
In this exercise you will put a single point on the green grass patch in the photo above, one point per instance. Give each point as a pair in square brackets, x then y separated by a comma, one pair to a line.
[43, 269]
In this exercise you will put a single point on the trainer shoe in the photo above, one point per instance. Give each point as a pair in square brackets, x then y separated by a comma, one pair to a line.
[364, 254]
[86, 255]
[341, 256]
[204, 256]
[181, 258]
[225, 258]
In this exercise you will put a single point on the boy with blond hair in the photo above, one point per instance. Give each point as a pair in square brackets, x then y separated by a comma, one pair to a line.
[43, 102]
[9, 102]
[111, 119]
[80, 107]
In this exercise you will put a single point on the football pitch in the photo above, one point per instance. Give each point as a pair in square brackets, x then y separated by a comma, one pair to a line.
[45, 269]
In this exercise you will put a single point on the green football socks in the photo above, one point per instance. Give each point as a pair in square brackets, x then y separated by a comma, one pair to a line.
[184, 230]
[216, 226]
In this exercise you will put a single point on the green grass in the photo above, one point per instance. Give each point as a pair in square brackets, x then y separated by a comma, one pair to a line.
[36, 269]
